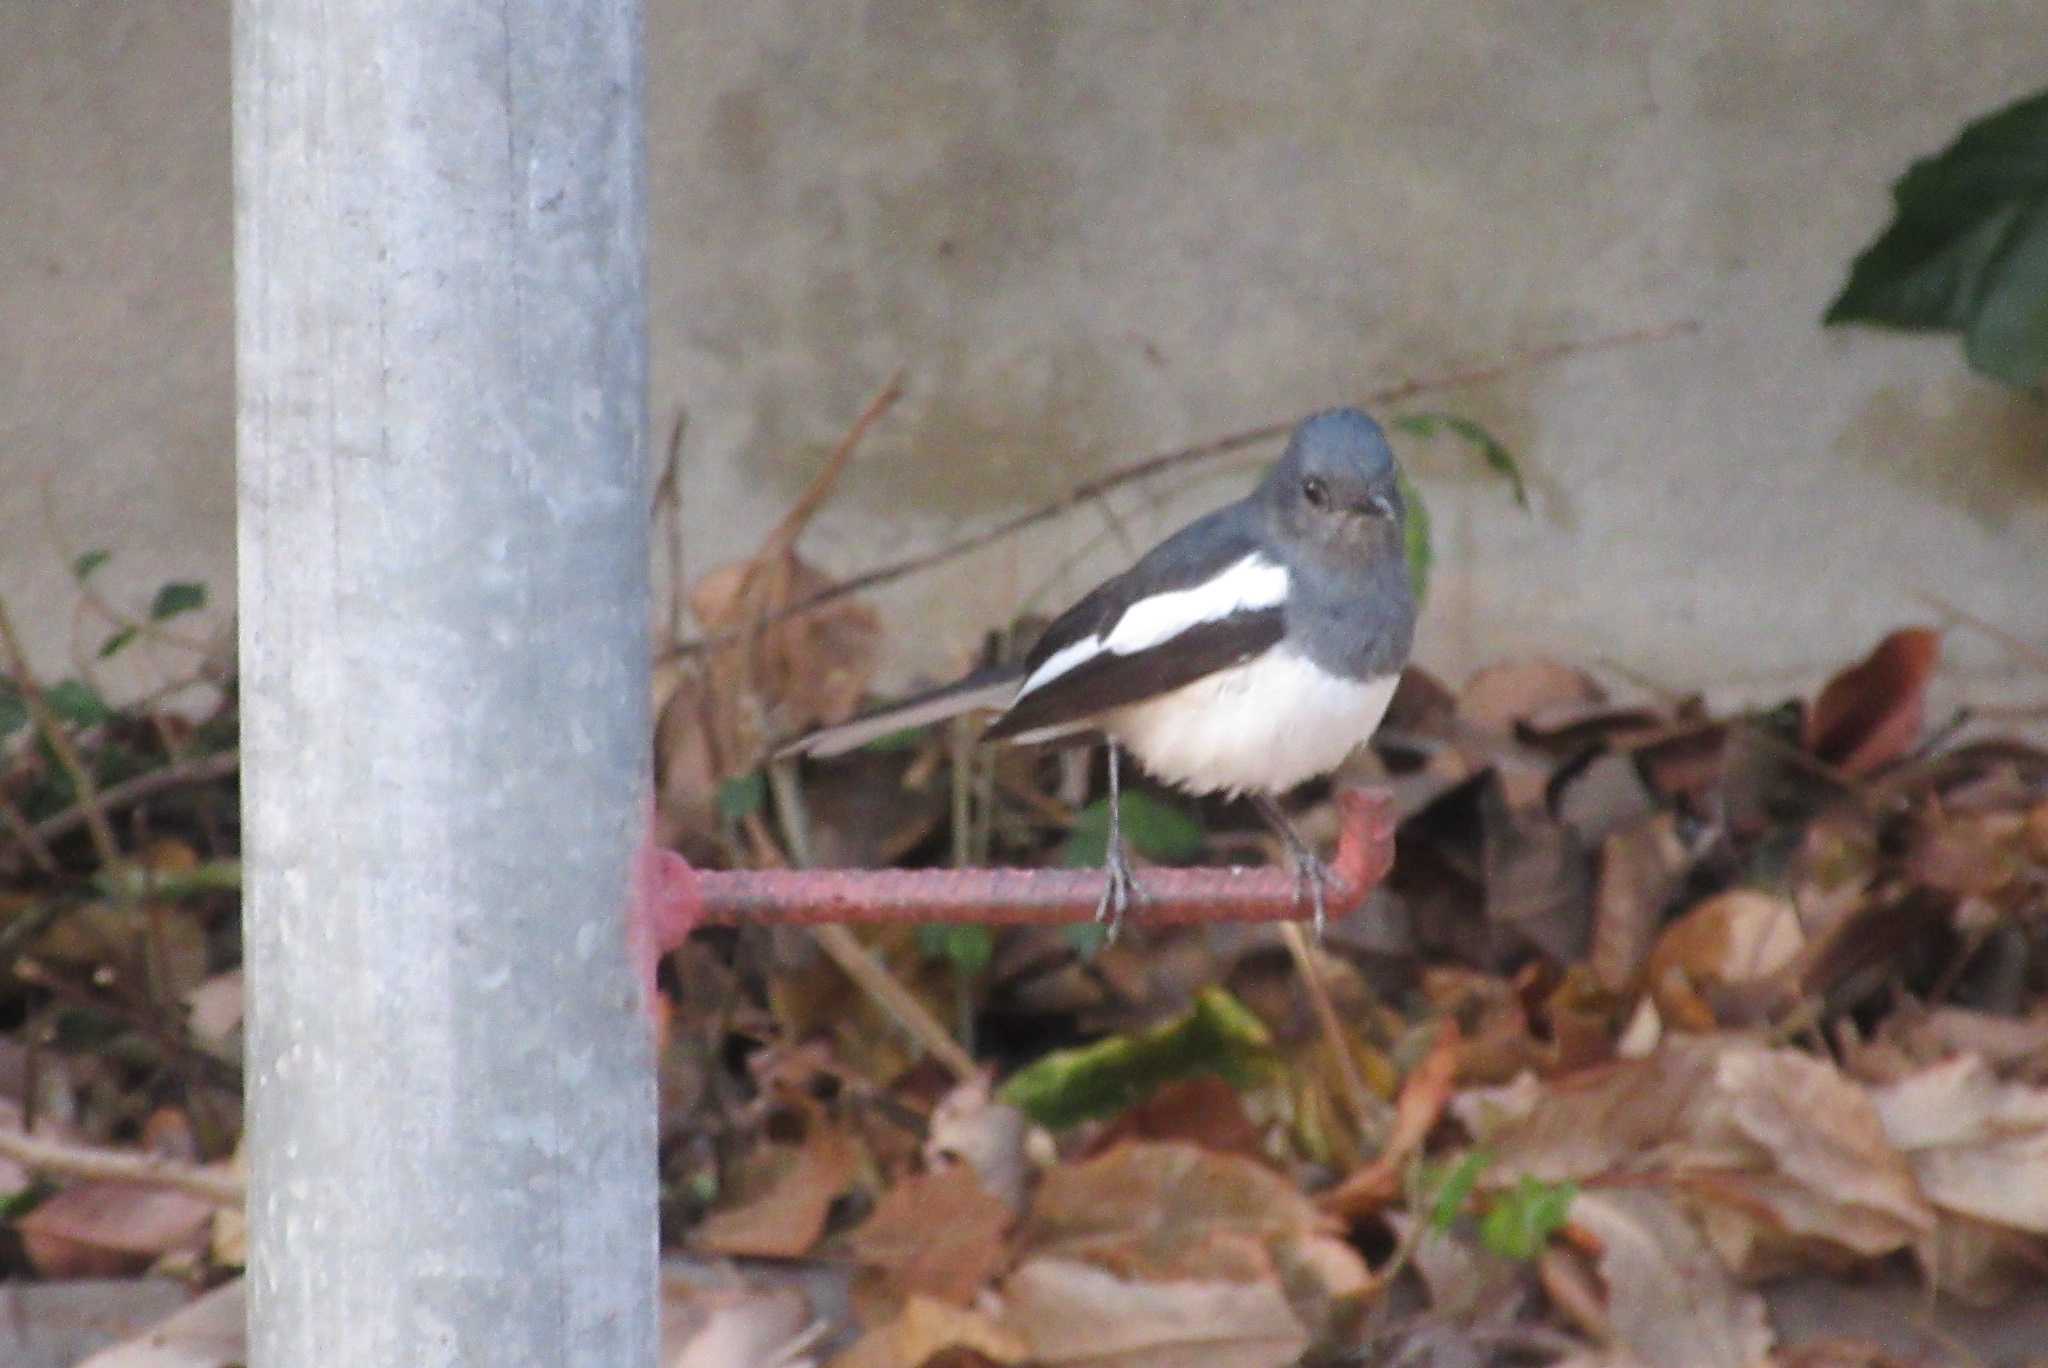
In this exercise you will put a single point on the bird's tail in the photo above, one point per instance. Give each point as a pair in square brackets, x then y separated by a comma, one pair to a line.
[984, 689]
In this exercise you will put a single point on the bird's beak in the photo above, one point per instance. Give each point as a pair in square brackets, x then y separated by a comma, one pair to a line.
[1379, 506]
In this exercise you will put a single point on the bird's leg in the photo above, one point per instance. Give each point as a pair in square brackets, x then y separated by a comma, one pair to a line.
[1311, 875]
[1117, 897]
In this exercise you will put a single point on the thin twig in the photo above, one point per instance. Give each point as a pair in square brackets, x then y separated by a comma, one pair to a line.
[169, 1036]
[2019, 646]
[785, 790]
[960, 738]
[205, 769]
[1373, 1117]
[859, 964]
[26, 924]
[668, 504]
[97, 601]
[766, 577]
[1220, 446]
[25, 836]
[855, 960]
[782, 539]
[91, 1162]
[60, 742]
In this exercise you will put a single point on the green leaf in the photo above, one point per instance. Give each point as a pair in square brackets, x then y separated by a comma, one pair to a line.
[1421, 552]
[1454, 1189]
[1967, 247]
[743, 795]
[1521, 1222]
[1498, 458]
[179, 596]
[77, 703]
[13, 709]
[116, 642]
[2008, 339]
[1087, 938]
[968, 948]
[18, 1204]
[89, 562]
[1155, 828]
[1217, 1036]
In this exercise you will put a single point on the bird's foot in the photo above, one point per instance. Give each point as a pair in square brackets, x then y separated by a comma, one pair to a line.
[1121, 892]
[1312, 879]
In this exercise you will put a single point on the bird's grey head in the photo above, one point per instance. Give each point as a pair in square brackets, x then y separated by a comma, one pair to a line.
[1334, 497]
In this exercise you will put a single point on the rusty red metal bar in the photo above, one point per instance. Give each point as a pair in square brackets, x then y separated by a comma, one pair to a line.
[674, 898]
[1365, 852]
[1014, 897]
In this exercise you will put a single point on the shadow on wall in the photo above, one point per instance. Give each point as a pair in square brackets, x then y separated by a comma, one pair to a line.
[1961, 441]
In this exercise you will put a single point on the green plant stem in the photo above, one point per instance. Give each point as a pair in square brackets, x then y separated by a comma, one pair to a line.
[60, 742]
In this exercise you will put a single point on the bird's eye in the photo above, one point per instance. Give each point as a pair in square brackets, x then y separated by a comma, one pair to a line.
[1316, 492]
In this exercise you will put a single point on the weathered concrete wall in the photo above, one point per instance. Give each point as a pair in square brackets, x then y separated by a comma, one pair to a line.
[1091, 232]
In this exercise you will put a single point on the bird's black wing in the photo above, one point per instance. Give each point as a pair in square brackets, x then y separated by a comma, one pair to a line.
[1205, 554]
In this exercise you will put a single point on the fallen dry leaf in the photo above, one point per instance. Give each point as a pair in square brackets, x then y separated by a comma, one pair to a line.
[1464, 1280]
[1977, 1146]
[1598, 796]
[939, 1235]
[2015, 1047]
[1498, 1043]
[687, 766]
[786, 1219]
[1204, 1111]
[794, 674]
[1640, 867]
[209, 1333]
[1538, 881]
[1869, 939]
[1669, 1300]
[1169, 1210]
[1783, 1154]
[106, 1230]
[1585, 1018]
[926, 1328]
[1974, 854]
[1981, 1263]
[1499, 696]
[772, 1328]
[783, 674]
[1424, 1094]
[1074, 1312]
[1172, 1212]
[1837, 1351]
[1724, 947]
[970, 1127]
[214, 1008]
[228, 1239]
[1870, 714]
[1687, 763]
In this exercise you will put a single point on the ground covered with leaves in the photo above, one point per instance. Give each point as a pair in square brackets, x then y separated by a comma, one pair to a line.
[1662, 1012]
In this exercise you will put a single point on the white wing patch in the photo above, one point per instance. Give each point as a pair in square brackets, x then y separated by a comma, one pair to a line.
[1246, 586]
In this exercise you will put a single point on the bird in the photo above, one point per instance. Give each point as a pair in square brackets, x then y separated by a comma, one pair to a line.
[1248, 652]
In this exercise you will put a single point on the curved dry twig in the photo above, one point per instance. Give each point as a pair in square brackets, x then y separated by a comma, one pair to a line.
[1200, 451]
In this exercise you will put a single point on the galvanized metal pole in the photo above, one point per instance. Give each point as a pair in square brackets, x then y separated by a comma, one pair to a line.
[440, 258]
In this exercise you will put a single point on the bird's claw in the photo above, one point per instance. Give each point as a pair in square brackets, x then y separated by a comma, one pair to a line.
[1119, 894]
[1312, 880]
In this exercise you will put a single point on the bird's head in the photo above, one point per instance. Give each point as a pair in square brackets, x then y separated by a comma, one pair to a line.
[1333, 499]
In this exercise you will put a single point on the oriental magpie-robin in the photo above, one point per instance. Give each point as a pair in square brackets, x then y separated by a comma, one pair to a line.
[1246, 653]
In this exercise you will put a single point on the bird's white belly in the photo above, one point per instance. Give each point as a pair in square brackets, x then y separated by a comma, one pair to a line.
[1267, 724]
